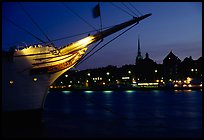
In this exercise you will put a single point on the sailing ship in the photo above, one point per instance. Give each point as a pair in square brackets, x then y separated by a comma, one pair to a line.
[28, 71]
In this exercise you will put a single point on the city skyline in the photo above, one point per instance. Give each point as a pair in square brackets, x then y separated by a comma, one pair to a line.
[172, 26]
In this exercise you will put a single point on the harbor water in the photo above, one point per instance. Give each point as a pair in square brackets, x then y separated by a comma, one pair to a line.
[123, 114]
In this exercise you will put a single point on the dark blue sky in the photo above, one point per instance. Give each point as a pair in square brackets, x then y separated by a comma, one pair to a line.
[175, 26]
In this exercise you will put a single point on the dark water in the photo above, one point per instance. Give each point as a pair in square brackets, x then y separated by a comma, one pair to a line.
[123, 114]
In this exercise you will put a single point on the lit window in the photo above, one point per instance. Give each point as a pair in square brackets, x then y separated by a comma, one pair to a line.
[129, 72]
[109, 80]
[11, 82]
[35, 79]
[125, 77]
[196, 69]
[108, 73]
[66, 75]
[88, 74]
[192, 69]
[155, 71]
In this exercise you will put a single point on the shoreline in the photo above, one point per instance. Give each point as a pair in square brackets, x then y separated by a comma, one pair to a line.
[124, 89]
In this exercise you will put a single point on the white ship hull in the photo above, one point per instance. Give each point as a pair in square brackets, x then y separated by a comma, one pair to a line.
[23, 87]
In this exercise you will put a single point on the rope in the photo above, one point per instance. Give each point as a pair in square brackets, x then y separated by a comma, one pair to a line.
[80, 61]
[34, 22]
[77, 34]
[129, 9]
[24, 29]
[135, 8]
[100, 17]
[122, 9]
[78, 16]
[107, 43]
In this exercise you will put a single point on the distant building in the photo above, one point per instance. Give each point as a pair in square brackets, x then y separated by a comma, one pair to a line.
[170, 67]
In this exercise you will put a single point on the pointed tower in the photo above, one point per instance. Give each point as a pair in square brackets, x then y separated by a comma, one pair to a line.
[139, 56]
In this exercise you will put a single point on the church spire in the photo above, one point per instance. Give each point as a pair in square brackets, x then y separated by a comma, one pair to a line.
[139, 56]
[138, 53]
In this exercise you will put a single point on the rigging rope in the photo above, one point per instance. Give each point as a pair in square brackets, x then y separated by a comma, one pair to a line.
[24, 29]
[88, 53]
[34, 22]
[107, 43]
[121, 9]
[78, 34]
[78, 15]
[135, 8]
[129, 9]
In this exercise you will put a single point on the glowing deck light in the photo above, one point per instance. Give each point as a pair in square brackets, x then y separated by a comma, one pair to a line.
[85, 41]
[184, 85]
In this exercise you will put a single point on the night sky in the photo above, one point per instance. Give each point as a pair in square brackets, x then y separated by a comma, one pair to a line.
[175, 26]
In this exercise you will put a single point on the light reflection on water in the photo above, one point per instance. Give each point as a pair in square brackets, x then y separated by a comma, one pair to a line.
[147, 113]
